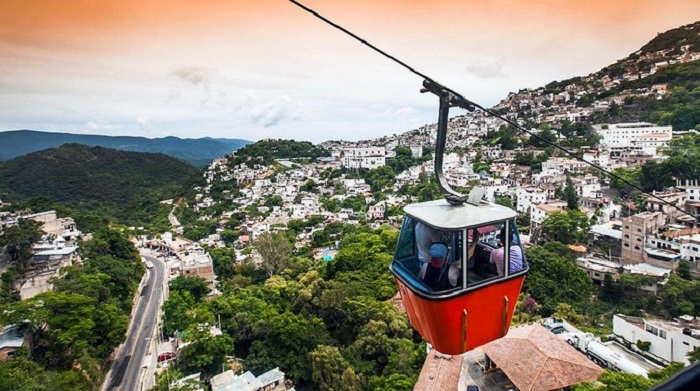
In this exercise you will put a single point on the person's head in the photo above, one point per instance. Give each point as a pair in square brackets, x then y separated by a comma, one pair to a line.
[438, 253]
[502, 236]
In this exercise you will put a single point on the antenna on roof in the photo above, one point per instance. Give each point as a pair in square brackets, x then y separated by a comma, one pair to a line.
[476, 195]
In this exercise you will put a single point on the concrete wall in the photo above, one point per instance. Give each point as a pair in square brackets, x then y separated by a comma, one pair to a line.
[674, 347]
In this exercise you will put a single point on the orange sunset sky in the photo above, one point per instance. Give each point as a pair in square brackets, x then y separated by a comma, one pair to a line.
[255, 69]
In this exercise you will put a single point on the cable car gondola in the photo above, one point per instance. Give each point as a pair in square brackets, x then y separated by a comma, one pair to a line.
[459, 265]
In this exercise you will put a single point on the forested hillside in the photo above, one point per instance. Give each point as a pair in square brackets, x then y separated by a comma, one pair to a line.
[113, 183]
[266, 151]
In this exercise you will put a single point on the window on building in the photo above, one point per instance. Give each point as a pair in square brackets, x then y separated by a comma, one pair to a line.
[627, 244]
[652, 329]
[636, 247]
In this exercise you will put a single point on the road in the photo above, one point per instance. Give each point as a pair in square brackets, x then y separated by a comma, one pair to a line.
[173, 218]
[125, 374]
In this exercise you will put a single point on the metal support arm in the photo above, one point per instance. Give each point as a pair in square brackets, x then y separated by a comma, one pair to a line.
[447, 100]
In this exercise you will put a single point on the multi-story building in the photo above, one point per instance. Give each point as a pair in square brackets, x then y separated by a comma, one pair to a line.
[527, 196]
[670, 197]
[642, 136]
[635, 229]
[372, 157]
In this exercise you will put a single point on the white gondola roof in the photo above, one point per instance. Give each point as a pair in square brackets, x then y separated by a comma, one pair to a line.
[441, 215]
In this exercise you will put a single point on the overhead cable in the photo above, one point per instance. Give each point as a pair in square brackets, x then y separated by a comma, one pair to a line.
[465, 103]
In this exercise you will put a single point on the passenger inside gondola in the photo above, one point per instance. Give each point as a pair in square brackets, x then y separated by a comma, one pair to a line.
[480, 265]
[427, 254]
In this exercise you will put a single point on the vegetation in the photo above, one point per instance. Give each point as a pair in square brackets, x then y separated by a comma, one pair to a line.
[683, 162]
[567, 227]
[96, 182]
[327, 325]
[265, 152]
[680, 107]
[78, 324]
[555, 279]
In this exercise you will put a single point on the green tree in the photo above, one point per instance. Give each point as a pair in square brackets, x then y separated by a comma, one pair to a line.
[570, 226]
[554, 278]
[23, 374]
[275, 200]
[206, 354]
[505, 201]
[570, 194]
[617, 381]
[694, 355]
[195, 285]
[18, 240]
[330, 371]
[275, 250]
[654, 176]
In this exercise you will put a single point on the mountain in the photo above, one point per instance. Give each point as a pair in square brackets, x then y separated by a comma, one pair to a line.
[198, 152]
[89, 178]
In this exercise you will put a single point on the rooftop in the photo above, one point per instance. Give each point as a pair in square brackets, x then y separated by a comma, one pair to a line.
[440, 372]
[439, 214]
[13, 336]
[535, 359]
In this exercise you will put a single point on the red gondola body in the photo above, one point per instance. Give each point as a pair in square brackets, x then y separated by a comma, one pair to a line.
[468, 298]
[462, 323]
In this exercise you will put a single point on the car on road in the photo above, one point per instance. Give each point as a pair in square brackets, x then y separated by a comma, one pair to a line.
[166, 356]
[149, 264]
[557, 329]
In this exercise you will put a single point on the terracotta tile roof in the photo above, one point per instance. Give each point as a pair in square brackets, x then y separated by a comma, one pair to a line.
[440, 372]
[535, 359]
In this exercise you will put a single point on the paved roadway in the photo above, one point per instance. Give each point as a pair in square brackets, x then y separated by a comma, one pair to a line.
[125, 374]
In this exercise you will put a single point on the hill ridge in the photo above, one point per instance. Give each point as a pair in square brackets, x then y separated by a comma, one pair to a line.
[197, 151]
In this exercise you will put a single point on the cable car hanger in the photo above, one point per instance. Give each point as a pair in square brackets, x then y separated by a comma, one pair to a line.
[453, 99]
[447, 100]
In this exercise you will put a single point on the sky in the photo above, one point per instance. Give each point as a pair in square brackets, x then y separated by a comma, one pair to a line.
[265, 68]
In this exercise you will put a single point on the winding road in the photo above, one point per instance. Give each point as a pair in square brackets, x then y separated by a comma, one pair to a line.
[126, 371]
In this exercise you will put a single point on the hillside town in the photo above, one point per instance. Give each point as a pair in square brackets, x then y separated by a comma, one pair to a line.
[263, 231]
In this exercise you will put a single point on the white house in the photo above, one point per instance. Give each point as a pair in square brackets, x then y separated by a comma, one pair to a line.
[670, 341]
[526, 196]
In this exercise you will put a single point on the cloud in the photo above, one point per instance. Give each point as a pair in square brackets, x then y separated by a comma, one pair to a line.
[143, 121]
[100, 126]
[195, 75]
[402, 111]
[210, 85]
[487, 69]
[270, 112]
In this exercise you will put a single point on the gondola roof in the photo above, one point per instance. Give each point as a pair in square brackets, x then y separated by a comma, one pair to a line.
[440, 214]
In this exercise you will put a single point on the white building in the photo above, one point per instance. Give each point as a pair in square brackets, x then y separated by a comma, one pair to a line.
[642, 136]
[273, 380]
[587, 186]
[562, 165]
[372, 157]
[527, 196]
[670, 341]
